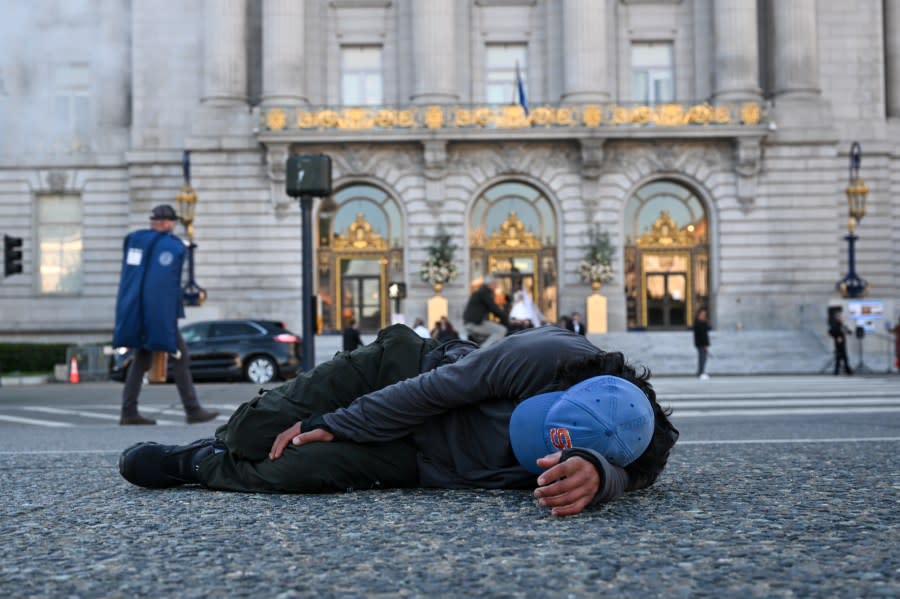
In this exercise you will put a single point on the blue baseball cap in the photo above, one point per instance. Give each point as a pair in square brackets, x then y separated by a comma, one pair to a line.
[605, 413]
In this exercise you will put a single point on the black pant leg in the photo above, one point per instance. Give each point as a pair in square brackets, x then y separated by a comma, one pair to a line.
[395, 355]
[184, 381]
[316, 468]
[140, 363]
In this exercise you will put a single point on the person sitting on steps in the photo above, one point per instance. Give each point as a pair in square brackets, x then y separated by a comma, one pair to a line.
[475, 316]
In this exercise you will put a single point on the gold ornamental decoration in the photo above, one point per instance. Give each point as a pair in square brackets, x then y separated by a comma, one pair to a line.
[665, 233]
[276, 119]
[360, 237]
[511, 116]
[434, 117]
[750, 113]
[512, 235]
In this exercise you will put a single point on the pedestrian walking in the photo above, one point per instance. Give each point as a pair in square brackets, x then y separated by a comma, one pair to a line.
[407, 412]
[148, 307]
[838, 332]
[701, 342]
[352, 340]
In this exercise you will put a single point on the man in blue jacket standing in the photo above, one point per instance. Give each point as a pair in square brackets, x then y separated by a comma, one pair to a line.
[148, 307]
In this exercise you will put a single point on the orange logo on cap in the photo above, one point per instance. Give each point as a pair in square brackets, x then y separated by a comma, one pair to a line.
[560, 439]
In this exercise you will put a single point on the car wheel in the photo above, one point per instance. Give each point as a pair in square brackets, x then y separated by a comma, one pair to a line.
[260, 370]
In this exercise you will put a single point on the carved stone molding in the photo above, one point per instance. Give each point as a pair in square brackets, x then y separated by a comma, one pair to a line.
[747, 157]
[435, 155]
[56, 181]
[276, 165]
[664, 157]
[541, 161]
[747, 165]
[591, 158]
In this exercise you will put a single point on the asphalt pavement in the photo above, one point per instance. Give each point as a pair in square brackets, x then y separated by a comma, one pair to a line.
[778, 487]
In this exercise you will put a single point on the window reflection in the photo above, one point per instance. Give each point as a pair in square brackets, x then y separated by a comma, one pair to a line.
[378, 209]
[361, 76]
[60, 244]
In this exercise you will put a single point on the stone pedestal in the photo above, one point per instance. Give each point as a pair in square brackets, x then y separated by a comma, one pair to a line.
[596, 313]
[437, 308]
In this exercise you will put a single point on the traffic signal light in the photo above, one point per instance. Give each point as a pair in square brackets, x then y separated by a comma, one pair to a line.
[397, 291]
[12, 255]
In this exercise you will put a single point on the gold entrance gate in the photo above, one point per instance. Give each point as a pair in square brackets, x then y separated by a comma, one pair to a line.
[666, 275]
[354, 269]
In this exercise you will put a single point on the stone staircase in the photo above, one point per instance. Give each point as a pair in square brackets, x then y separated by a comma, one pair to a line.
[669, 353]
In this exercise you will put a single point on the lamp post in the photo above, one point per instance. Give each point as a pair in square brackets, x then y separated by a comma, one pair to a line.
[852, 285]
[192, 293]
[307, 176]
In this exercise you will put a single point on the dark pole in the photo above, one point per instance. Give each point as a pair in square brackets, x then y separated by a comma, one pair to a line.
[309, 349]
[852, 285]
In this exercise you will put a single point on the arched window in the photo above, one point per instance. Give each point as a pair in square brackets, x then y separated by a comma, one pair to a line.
[512, 235]
[360, 250]
[666, 256]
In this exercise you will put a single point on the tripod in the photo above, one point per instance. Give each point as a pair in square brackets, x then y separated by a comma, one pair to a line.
[861, 367]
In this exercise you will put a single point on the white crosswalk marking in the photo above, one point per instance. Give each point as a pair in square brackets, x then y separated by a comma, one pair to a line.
[689, 399]
[18, 420]
[63, 412]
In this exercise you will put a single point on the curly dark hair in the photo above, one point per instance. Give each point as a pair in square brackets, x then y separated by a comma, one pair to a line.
[646, 468]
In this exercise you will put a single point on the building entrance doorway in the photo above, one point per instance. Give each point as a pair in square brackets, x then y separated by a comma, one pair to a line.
[360, 252]
[361, 293]
[666, 302]
[512, 236]
[666, 257]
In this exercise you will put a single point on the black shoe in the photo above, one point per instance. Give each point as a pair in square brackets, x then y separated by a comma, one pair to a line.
[158, 466]
[136, 419]
[200, 415]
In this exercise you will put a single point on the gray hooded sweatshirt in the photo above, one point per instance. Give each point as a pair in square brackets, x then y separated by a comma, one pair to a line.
[458, 414]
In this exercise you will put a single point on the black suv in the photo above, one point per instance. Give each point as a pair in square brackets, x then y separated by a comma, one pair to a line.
[258, 351]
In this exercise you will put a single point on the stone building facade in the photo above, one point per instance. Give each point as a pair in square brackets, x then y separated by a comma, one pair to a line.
[709, 138]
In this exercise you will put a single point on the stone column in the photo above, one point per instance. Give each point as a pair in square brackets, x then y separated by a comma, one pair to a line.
[284, 73]
[585, 51]
[225, 47]
[892, 56]
[796, 56]
[112, 64]
[434, 52]
[736, 51]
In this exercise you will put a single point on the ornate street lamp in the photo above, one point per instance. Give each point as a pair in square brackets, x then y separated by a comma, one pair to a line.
[853, 285]
[192, 293]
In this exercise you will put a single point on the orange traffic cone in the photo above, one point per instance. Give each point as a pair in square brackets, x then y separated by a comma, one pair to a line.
[73, 371]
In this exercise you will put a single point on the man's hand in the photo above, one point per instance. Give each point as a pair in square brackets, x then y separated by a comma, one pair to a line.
[293, 435]
[566, 487]
[282, 440]
[317, 434]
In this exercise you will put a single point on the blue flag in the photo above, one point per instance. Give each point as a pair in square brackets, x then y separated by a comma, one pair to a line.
[520, 91]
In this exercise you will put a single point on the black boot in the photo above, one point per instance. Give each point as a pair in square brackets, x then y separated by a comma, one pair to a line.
[158, 466]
